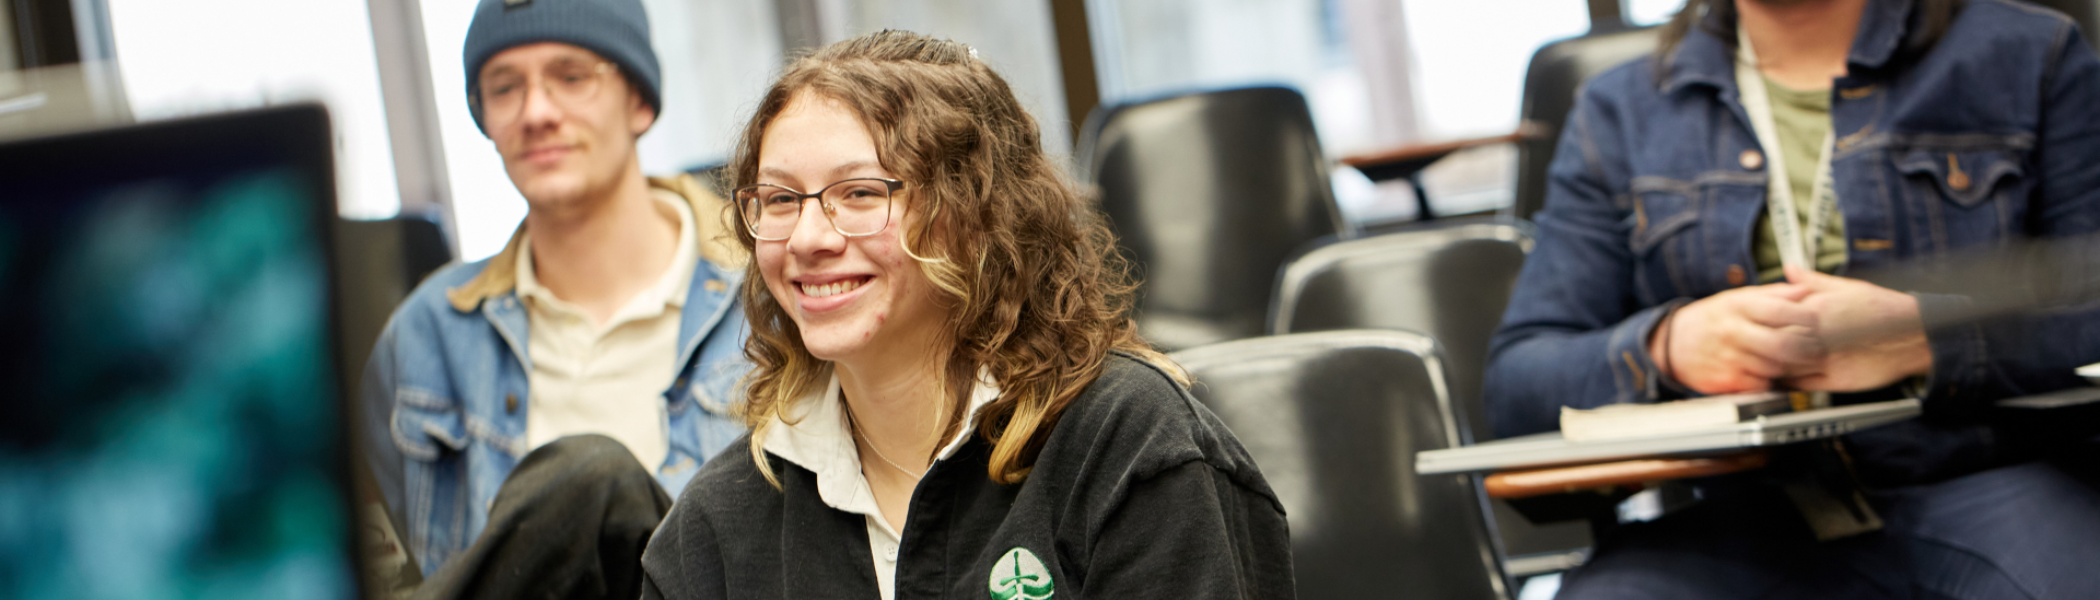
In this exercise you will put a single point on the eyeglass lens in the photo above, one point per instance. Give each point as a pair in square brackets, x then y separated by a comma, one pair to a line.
[854, 206]
[567, 82]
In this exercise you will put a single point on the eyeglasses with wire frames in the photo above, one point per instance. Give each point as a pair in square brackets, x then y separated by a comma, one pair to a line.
[569, 82]
[856, 207]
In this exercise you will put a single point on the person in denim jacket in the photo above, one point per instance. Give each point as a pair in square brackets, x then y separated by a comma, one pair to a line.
[1953, 126]
[611, 311]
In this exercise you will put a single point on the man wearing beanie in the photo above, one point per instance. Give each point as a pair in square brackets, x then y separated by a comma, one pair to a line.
[529, 417]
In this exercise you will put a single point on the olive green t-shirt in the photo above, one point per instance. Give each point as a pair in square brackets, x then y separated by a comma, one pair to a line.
[1803, 119]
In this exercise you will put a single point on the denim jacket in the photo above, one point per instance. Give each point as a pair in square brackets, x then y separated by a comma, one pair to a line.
[1991, 134]
[444, 394]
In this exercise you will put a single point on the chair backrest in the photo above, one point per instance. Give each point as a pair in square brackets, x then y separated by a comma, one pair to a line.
[1550, 86]
[377, 264]
[2085, 12]
[1209, 193]
[1335, 419]
[1450, 281]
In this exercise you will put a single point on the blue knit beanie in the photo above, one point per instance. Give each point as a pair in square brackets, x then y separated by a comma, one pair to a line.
[618, 30]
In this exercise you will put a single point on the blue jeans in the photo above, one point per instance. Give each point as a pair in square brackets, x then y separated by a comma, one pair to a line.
[2030, 530]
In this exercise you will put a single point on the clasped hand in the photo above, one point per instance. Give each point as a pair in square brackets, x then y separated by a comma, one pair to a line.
[1814, 332]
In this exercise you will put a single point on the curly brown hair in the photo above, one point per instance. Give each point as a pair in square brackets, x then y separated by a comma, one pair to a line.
[1025, 266]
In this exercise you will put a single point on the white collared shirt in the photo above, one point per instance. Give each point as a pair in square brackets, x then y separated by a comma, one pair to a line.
[610, 379]
[820, 440]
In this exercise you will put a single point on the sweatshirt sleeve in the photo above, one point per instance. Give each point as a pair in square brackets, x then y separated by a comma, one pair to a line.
[1191, 532]
[683, 560]
[1975, 364]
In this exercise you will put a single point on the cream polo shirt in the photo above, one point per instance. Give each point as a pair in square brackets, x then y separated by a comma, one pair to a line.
[819, 440]
[608, 380]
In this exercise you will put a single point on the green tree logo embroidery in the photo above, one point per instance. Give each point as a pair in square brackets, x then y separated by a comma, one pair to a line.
[1020, 576]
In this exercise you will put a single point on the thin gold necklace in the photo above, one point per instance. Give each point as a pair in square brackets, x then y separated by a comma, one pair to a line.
[853, 422]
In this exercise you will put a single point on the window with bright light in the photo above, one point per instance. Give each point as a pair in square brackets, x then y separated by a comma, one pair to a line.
[1651, 12]
[1470, 61]
[1377, 74]
[1151, 48]
[1015, 37]
[202, 56]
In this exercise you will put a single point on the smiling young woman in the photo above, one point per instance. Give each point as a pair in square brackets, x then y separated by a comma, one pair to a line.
[950, 396]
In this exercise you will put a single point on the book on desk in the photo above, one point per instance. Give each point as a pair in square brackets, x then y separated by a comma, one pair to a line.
[1623, 421]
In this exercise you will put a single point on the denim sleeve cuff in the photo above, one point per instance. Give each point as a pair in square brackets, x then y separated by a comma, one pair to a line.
[1633, 371]
[1959, 356]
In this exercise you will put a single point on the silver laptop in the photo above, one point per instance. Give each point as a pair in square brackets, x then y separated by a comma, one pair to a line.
[1549, 449]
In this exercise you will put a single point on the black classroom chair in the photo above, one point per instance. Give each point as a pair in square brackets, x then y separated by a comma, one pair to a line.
[1551, 82]
[1551, 85]
[1451, 279]
[1334, 419]
[2084, 12]
[1451, 282]
[378, 263]
[1208, 194]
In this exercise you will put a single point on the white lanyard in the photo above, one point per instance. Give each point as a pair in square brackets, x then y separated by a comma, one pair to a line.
[1797, 248]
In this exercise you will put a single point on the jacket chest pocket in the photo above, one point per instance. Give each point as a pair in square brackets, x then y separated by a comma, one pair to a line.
[714, 386]
[1963, 197]
[426, 425]
[1663, 237]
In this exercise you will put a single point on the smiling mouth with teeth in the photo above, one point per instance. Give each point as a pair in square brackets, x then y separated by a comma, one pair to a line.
[832, 289]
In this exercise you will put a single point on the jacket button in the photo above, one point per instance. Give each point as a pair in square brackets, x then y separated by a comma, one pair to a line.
[1735, 275]
[715, 285]
[678, 384]
[1956, 178]
[1752, 159]
[510, 403]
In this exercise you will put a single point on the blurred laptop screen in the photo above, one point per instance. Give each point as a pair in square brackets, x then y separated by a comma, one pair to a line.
[170, 422]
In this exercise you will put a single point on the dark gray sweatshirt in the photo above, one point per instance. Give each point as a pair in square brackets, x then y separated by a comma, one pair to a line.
[1140, 492]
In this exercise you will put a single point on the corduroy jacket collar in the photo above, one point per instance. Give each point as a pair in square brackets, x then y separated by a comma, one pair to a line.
[500, 276]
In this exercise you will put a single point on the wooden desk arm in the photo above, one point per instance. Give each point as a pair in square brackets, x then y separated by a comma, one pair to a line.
[1416, 152]
[1561, 480]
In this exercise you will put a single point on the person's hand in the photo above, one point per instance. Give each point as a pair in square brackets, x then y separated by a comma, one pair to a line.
[1739, 340]
[1873, 334]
